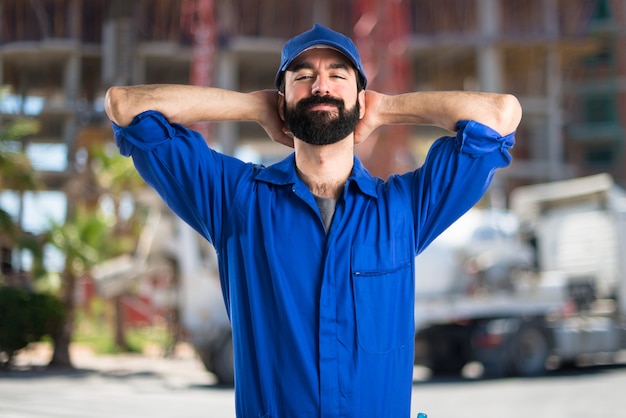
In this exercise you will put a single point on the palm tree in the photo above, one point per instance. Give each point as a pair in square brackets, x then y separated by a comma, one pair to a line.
[86, 237]
[16, 174]
[90, 236]
[118, 179]
[82, 240]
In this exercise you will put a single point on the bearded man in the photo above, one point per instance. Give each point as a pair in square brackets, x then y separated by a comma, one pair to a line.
[316, 256]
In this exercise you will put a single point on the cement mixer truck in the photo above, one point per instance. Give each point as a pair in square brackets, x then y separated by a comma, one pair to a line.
[522, 291]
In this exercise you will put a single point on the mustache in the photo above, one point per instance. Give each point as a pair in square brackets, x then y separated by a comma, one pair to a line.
[309, 102]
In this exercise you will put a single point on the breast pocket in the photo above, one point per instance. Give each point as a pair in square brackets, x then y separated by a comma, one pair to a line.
[382, 276]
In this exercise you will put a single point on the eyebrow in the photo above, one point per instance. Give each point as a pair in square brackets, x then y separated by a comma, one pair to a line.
[305, 65]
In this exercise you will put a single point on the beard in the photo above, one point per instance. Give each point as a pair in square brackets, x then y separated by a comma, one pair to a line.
[321, 127]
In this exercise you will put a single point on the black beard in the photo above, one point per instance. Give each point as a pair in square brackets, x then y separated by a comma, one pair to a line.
[320, 127]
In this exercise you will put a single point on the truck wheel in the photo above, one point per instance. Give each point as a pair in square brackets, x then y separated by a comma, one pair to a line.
[223, 361]
[529, 352]
[443, 349]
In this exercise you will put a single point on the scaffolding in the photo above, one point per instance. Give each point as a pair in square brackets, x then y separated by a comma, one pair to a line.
[562, 58]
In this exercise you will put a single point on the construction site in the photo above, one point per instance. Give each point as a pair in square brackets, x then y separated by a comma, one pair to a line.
[565, 60]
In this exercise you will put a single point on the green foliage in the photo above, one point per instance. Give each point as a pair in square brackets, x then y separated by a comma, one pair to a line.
[16, 170]
[95, 329]
[19, 129]
[27, 317]
[83, 239]
[16, 173]
[115, 174]
[118, 179]
[34, 245]
[7, 226]
[101, 340]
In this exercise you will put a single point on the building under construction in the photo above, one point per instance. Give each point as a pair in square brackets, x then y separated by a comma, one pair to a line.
[564, 59]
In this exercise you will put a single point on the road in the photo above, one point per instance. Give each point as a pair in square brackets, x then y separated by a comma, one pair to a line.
[155, 387]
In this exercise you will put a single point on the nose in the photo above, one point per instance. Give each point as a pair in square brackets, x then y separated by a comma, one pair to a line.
[320, 86]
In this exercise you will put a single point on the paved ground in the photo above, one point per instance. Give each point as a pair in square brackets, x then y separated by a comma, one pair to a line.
[156, 387]
[125, 385]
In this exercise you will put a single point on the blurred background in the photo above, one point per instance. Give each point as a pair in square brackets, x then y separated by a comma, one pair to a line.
[79, 226]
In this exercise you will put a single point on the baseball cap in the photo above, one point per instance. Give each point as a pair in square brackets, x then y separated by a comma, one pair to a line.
[319, 36]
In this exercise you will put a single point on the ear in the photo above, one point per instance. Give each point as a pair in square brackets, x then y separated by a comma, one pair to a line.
[361, 99]
[281, 105]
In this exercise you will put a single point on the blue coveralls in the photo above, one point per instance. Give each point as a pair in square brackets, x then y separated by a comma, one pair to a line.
[323, 322]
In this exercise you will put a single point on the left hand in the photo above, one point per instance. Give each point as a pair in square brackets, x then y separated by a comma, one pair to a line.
[371, 119]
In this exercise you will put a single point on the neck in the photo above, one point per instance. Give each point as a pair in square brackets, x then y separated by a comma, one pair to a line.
[325, 169]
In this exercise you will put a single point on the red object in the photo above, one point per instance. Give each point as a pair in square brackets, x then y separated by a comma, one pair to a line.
[381, 33]
[198, 18]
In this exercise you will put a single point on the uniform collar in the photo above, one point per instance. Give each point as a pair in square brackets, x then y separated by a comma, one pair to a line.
[284, 173]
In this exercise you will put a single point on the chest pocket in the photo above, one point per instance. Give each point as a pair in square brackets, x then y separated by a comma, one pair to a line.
[382, 280]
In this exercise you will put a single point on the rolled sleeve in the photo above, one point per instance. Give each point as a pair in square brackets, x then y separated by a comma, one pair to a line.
[474, 138]
[147, 131]
[456, 174]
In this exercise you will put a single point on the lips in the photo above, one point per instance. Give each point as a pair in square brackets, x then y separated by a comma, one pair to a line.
[321, 103]
[323, 107]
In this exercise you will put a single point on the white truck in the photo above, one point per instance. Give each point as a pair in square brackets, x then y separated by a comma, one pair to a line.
[171, 253]
[542, 285]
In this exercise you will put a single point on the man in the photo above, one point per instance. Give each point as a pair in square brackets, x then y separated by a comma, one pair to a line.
[316, 256]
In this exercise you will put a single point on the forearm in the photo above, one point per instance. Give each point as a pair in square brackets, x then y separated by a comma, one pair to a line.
[500, 112]
[180, 103]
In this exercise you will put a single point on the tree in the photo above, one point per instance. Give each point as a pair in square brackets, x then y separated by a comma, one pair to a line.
[16, 174]
[117, 178]
[81, 239]
[87, 236]
[90, 236]
[27, 316]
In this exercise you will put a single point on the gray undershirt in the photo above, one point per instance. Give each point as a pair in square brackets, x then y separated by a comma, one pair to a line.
[326, 206]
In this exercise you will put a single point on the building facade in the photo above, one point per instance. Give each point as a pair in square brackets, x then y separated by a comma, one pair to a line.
[564, 59]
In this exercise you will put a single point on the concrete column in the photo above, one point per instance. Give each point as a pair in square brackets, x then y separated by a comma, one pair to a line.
[2, 20]
[75, 19]
[138, 75]
[118, 43]
[71, 77]
[488, 56]
[554, 93]
[321, 12]
[226, 77]
[71, 86]
[554, 115]
[489, 71]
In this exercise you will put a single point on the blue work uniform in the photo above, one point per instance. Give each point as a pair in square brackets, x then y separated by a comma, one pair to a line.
[323, 321]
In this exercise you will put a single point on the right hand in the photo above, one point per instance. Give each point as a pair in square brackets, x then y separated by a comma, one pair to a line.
[270, 119]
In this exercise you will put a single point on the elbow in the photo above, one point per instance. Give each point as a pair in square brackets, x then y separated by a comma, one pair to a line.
[510, 115]
[114, 101]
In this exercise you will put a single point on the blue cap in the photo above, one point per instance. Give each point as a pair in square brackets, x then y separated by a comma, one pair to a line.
[319, 35]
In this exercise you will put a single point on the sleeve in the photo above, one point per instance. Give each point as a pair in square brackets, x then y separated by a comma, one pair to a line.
[196, 182]
[457, 172]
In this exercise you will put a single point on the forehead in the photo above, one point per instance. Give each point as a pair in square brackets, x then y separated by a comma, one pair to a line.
[329, 56]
